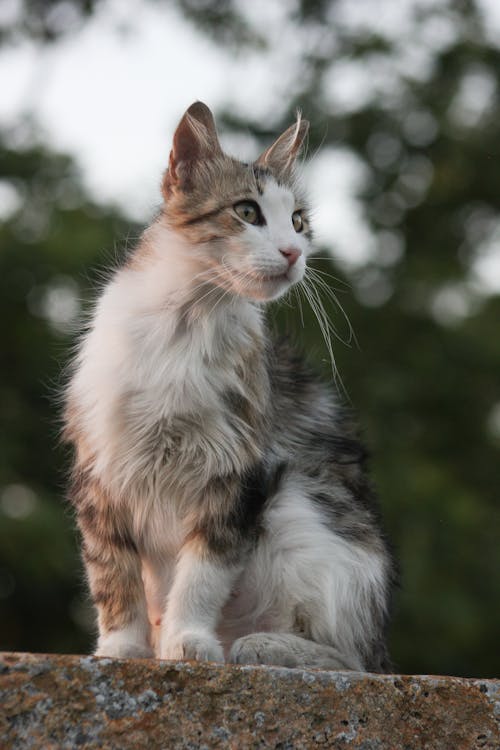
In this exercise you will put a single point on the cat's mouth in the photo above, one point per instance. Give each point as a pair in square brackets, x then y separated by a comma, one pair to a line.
[272, 278]
[261, 277]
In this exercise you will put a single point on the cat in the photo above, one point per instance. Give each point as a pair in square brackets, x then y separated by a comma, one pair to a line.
[220, 490]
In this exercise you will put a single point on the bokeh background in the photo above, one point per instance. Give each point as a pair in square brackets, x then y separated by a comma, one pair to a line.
[404, 173]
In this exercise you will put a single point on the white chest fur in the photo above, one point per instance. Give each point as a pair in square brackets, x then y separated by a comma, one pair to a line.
[150, 391]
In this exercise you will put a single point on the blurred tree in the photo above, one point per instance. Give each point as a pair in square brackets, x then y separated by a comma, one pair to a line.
[51, 241]
[425, 130]
[44, 20]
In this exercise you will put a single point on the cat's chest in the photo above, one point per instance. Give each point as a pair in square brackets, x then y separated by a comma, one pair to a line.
[190, 417]
[184, 396]
[196, 368]
[180, 435]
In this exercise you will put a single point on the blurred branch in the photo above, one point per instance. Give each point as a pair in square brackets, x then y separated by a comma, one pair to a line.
[45, 21]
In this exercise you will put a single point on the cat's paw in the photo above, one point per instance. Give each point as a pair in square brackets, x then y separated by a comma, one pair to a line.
[289, 650]
[262, 648]
[119, 645]
[197, 646]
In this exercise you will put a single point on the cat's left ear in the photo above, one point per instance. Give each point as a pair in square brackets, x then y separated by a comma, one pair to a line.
[195, 140]
[282, 154]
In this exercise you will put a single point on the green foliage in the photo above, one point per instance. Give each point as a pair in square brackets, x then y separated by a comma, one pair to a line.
[424, 379]
[51, 249]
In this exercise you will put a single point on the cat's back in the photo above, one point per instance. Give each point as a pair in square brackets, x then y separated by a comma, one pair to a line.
[307, 411]
[315, 438]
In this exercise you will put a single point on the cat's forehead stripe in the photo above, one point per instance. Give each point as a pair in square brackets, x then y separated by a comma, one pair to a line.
[261, 174]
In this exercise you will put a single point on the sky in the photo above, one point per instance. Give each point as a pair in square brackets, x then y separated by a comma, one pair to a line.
[111, 93]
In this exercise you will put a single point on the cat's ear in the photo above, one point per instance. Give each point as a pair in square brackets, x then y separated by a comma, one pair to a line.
[194, 140]
[282, 154]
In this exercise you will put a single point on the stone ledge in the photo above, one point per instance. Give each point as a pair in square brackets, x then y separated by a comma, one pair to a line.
[72, 701]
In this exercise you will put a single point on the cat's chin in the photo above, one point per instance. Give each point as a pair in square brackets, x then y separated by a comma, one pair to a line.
[266, 289]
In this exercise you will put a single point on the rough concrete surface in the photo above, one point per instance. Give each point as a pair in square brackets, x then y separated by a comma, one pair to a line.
[72, 701]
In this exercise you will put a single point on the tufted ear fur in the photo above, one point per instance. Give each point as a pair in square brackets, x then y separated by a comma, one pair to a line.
[194, 140]
[282, 154]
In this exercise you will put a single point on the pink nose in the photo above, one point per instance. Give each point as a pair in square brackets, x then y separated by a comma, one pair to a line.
[291, 254]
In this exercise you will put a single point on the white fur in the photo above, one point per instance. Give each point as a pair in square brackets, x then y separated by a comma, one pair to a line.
[132, 641]
[198, 593]
[302, 567]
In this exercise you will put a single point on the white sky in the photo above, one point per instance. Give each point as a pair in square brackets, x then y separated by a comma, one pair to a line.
[113, 99]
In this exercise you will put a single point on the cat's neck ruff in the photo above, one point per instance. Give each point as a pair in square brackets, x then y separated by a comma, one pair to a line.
[165, 283]
[146, 339]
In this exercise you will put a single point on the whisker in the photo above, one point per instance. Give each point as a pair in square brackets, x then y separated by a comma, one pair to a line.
[327, 289]
[299, 302]
[325, 326]
[343, 284]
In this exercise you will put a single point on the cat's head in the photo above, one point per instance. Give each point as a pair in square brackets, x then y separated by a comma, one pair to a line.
[247, 225]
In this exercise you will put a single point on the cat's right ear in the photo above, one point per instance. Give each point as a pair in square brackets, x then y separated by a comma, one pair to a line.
[194, 140]
[282, 154]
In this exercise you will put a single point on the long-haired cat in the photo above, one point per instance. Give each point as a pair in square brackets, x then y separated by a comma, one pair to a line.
[220, 491]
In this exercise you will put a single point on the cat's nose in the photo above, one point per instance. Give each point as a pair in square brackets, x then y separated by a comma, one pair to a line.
[291, 254]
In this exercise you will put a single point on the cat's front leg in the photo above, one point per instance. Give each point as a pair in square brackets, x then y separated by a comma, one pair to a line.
[223, 524]
[202, 584]
[114, 574]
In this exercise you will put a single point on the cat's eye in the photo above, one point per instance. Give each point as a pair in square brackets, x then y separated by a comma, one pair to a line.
[249, 211]
[297, 221]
